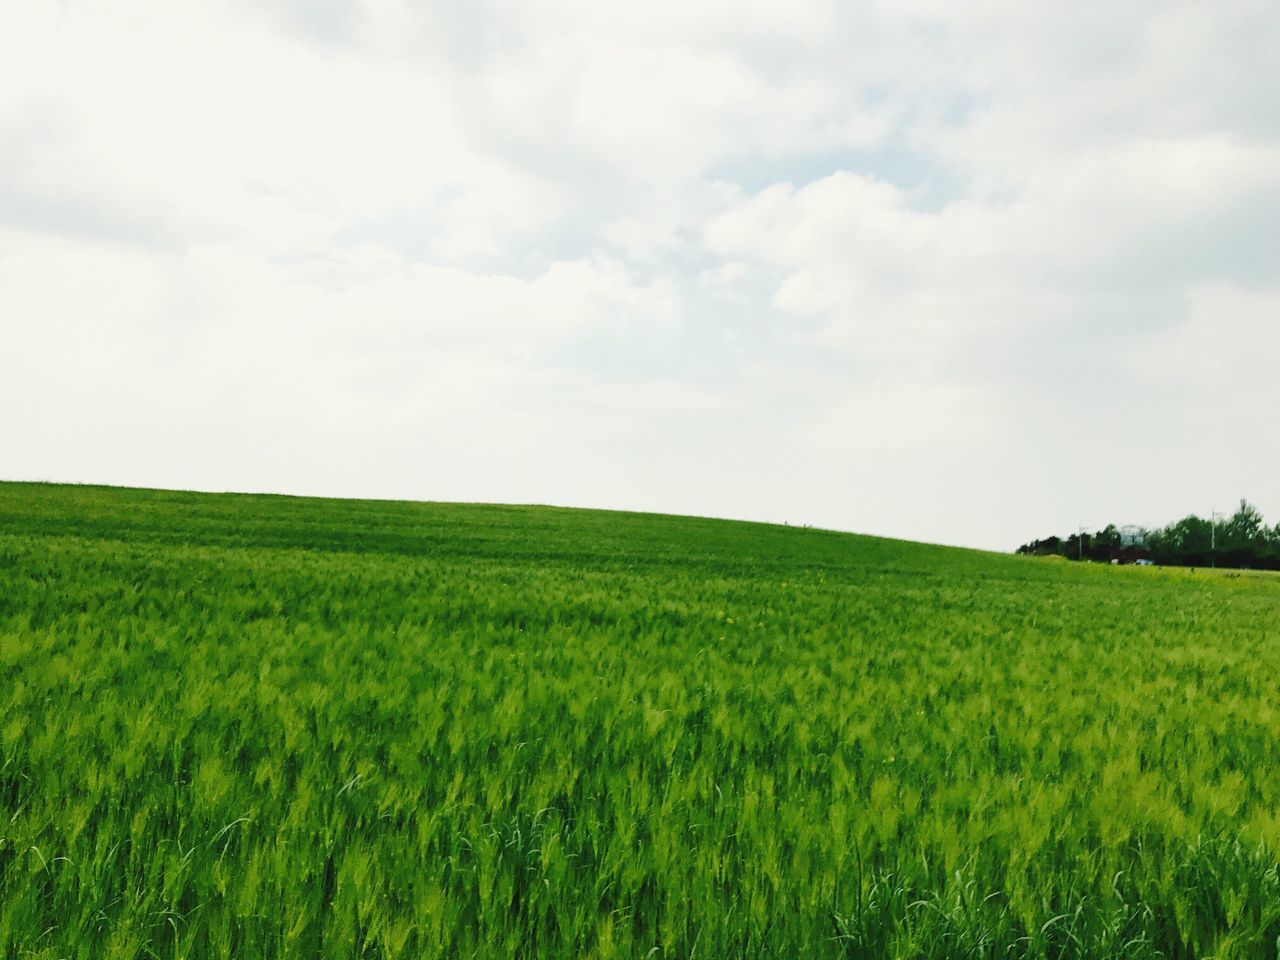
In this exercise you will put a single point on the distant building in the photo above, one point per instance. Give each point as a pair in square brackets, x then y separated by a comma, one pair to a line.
[1132, 536]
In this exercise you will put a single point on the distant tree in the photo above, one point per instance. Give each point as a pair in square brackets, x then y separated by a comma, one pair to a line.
[1246, 526]
[1105, 544]
[1041, 548]
[1186, 542]
[1243, 540]
[1243, 537]
[1271, 555]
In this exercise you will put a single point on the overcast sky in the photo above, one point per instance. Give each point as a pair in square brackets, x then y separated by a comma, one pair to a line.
[966, 273]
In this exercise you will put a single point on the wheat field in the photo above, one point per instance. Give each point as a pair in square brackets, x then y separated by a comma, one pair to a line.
[264, 727]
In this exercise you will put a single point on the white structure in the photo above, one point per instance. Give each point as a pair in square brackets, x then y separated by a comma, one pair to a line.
[1132, 536]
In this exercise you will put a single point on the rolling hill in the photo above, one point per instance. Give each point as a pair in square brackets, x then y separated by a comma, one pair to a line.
[258, 726]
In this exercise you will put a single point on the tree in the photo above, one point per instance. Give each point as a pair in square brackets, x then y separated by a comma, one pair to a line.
[1243, 540]
[1246, 527]
[1186, 542]
[1105, 544]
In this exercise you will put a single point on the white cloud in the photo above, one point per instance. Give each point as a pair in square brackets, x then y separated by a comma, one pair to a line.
[1229, 336]
[889, 267]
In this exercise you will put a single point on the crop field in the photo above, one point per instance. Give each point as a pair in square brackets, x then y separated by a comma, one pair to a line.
[265, 727]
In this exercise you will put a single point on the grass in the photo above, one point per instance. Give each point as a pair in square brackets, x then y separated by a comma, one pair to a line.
[251, 726]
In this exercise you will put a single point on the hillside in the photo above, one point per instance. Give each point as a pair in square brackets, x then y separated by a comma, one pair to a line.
[259, 726]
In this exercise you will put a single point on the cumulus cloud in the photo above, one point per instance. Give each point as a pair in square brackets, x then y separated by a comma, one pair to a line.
[967, 274]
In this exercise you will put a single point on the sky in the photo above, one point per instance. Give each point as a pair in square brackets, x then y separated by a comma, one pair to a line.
[963, 273]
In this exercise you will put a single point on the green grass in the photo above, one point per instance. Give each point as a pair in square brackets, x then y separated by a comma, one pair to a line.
[250, 726]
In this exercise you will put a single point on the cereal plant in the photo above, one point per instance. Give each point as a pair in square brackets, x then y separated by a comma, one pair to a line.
[252, 727]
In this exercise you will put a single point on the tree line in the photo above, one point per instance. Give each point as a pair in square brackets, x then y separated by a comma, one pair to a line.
[1241, 540]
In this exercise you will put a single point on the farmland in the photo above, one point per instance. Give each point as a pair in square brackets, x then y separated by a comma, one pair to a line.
[252, 726]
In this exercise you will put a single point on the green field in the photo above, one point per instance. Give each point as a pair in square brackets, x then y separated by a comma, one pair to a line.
[253, 726]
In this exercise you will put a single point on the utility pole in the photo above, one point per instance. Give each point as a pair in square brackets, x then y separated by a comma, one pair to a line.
[1213, 538]
[1080, 540]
